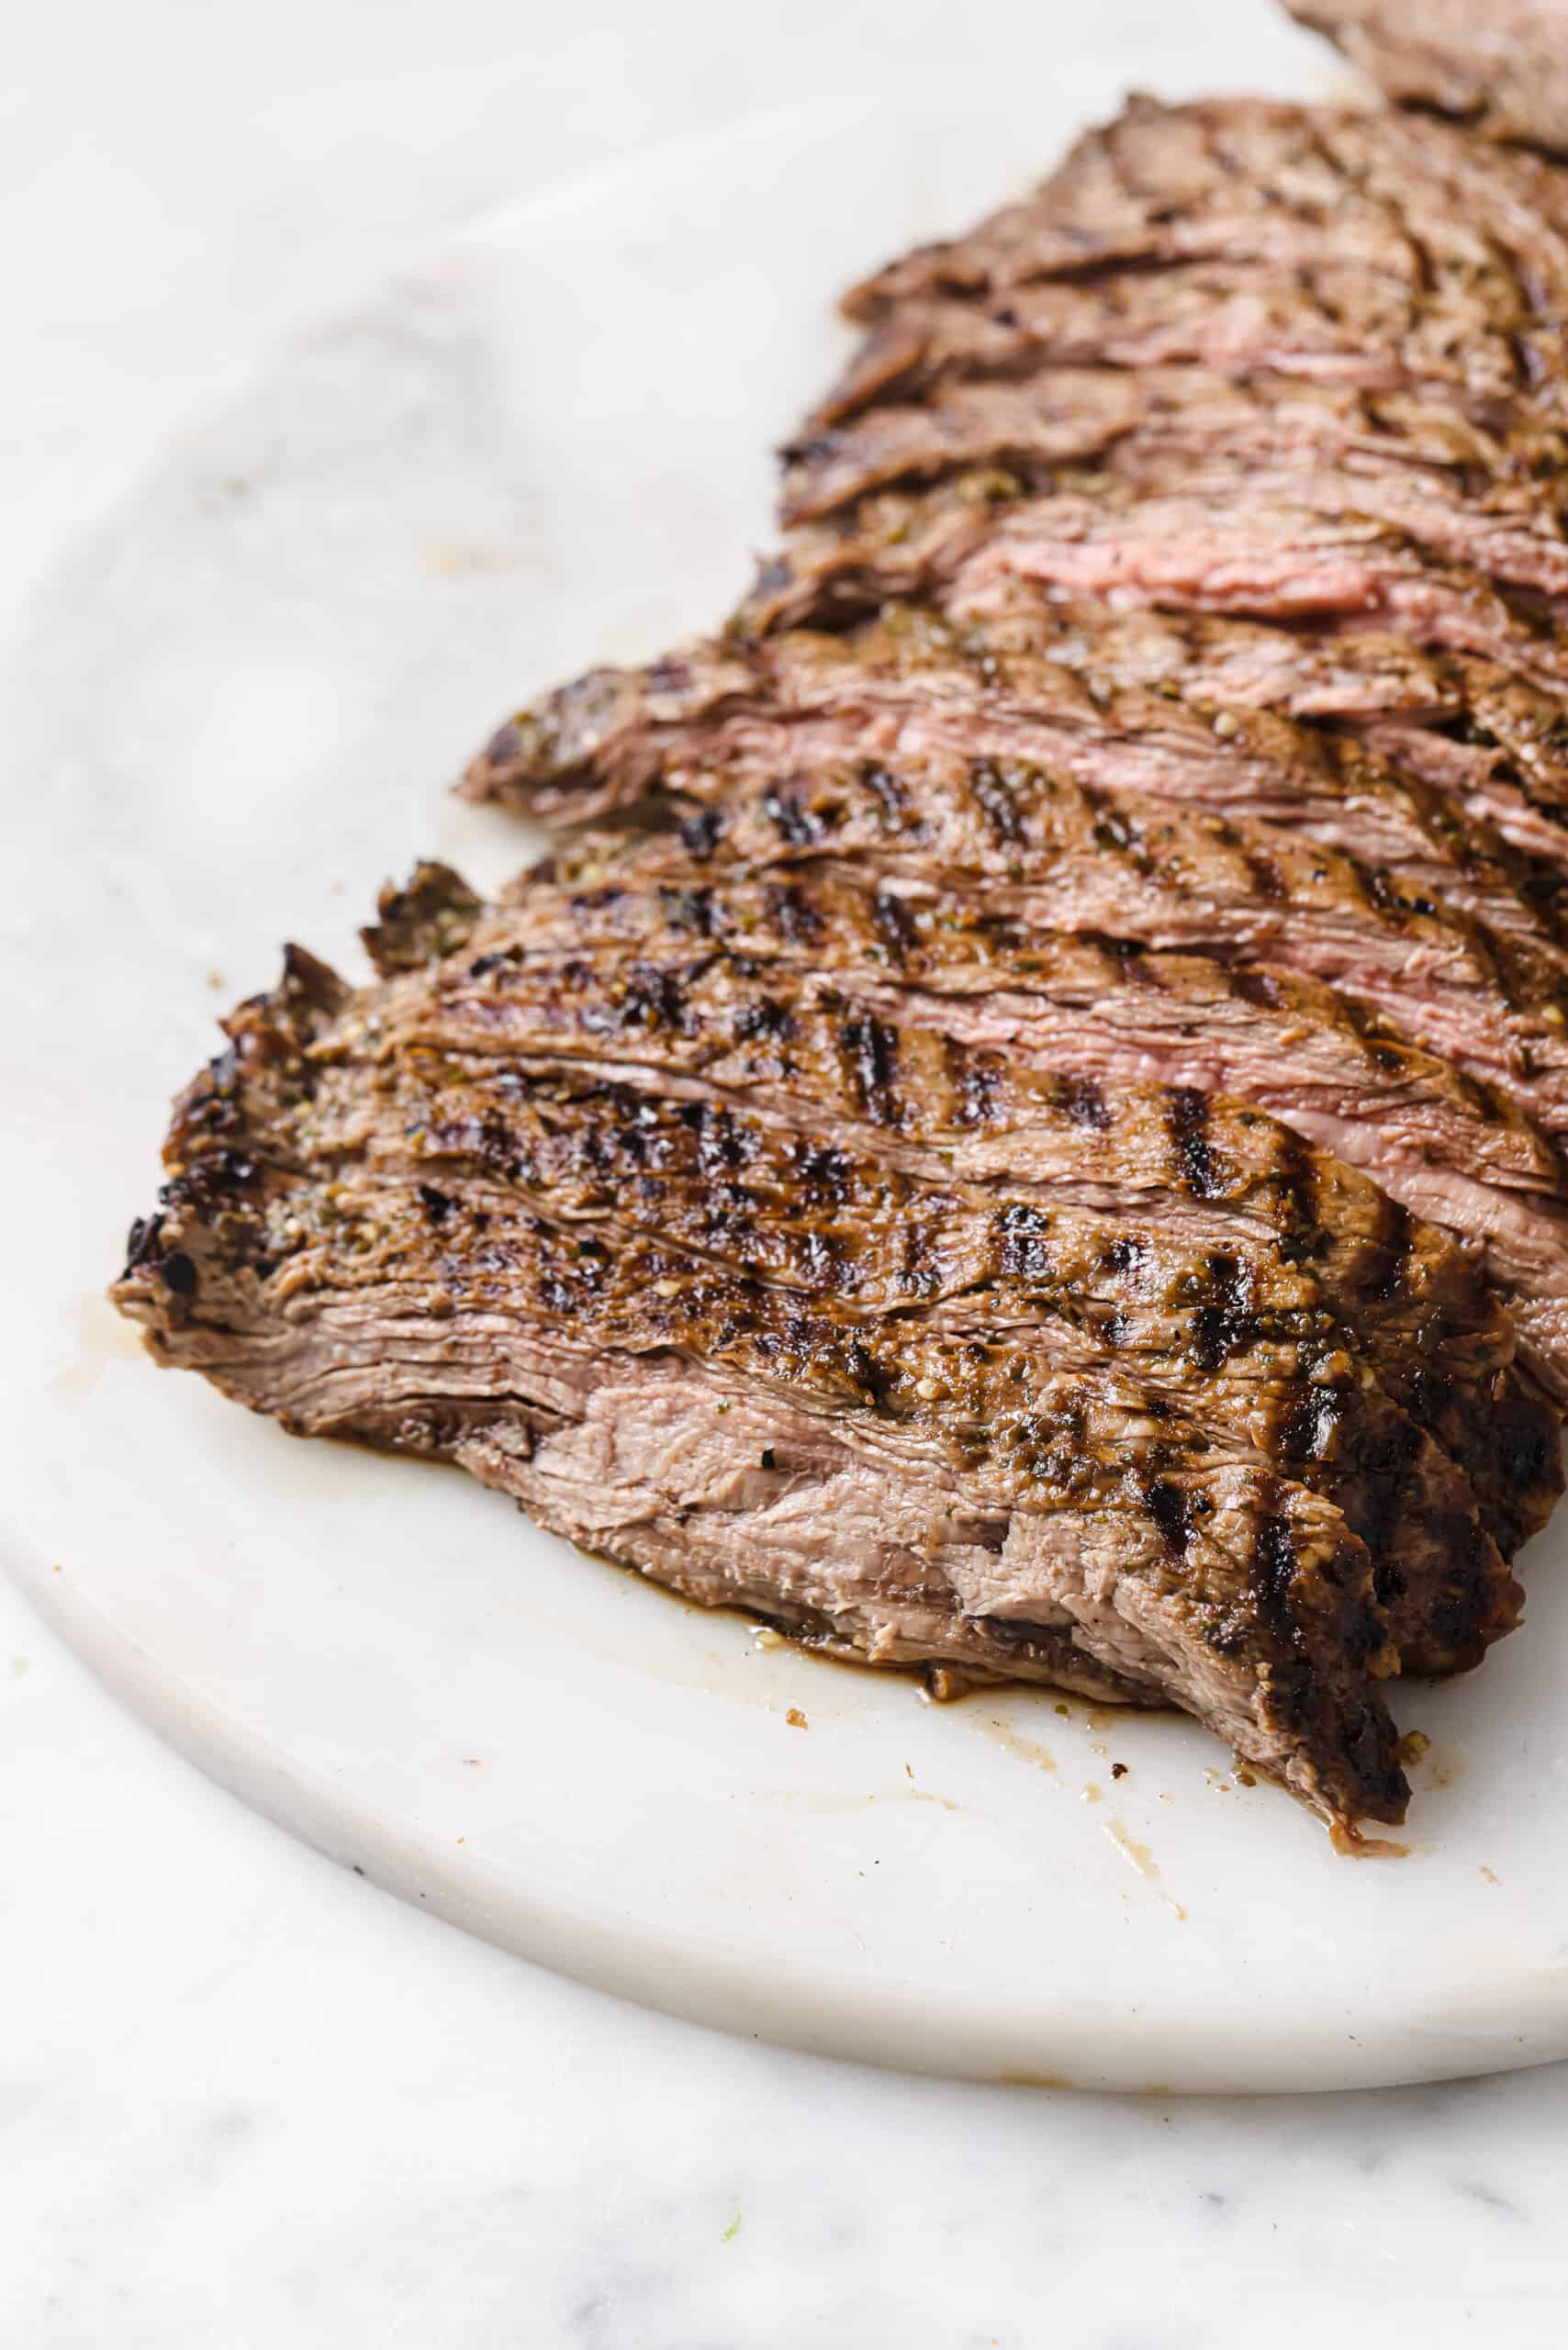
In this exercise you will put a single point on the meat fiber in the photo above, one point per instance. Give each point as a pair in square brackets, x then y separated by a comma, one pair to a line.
[1501, 65]
[1033, 1141]
[1451, 1149]
[909, 686]
[1472, 242]
[906, 1489]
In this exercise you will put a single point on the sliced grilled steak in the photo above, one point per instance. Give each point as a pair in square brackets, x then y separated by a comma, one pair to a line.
[1492, 742]
[1060, 416]
[916, 1495]
[1240, 1330]
[1326, 318]
[895, 1198]
[1481, 496]
[1049, 855]
[1472, 242]
[1201, 233]
[1217, 663]
[1449, 1148]
[757, 1038]
[1502, 66]
[1237, 1340]
[1329, 322]
[1481, 769]
[907, 687]
[970, 542]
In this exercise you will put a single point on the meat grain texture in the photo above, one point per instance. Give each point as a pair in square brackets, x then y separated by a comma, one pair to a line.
[1029, 1141]
[1503, 67]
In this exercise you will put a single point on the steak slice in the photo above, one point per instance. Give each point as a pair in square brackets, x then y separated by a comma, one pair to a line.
[1060, 416]
[908, 687]
[1043, 855]
[1237, 1340]
[1481, 495]
[759, 1038]
[1239, 1337]
[970, 542]
[1489, 740]
[1329, 322]
[1474, 240]
[1326, 318]
[1449, 1148]
[912, 1496]
[1503, 67]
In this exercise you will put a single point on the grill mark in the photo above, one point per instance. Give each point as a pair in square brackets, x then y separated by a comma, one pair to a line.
[1226, 1325]
[885, 789]
[1390, 1254]
[1083, 1102]
[1258, 987]
[798, 921]
[1525, 1445]
[799, 826]
[894, 924]
[652, 998]
[994, 796]
[762, 1017]
[1300, 1210]
[700, 834]
[1115, 830]
[1168, 1505]
[1265, 875]
[1187, 1123]
[1271, 1569]
[1387, 1474]
[871, 1048]
[688, 909]
[1308, 1430]
[873, 1379]
[1022, 1230]
[974, 1080]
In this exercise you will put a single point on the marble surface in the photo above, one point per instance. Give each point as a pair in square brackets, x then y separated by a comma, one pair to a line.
[247, 2099]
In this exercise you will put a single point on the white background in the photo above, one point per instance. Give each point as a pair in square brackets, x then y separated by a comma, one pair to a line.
[246, 2099]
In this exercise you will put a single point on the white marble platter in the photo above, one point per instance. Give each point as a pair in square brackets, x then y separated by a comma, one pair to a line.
[237, 711]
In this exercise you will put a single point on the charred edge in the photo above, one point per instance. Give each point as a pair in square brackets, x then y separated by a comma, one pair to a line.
[431, 916]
